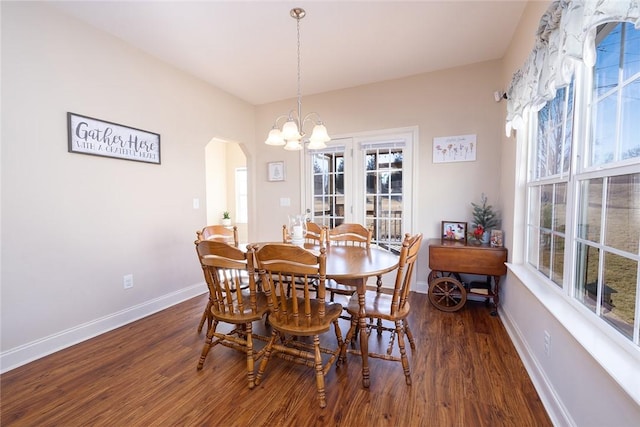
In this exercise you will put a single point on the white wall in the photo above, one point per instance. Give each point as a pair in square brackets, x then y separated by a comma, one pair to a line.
[73, 225]
[575, 388]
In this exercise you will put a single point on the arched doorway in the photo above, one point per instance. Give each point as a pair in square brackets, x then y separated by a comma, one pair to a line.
[226, 184]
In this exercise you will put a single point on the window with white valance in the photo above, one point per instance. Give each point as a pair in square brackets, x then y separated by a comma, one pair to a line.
[576, 106]
[565, 37]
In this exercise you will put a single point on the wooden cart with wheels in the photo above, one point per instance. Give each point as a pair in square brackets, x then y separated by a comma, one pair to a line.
[449, 259]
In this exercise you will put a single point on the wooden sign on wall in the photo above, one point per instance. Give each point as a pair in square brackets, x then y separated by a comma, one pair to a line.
[101, 138]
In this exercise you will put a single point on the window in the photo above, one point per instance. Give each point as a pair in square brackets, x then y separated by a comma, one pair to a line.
[549, 175]
[583, 225]
[360, 179]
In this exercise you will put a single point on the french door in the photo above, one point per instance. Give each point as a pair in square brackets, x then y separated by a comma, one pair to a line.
[365, 179]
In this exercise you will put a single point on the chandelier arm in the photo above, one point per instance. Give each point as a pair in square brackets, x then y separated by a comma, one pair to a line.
[309, 118]
[282, 116]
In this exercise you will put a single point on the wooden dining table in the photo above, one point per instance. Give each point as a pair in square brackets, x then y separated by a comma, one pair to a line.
[352, 266]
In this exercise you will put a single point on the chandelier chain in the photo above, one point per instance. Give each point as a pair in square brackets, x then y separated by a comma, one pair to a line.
[299, 90]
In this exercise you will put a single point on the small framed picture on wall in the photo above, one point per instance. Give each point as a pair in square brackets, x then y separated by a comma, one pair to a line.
[275, 171]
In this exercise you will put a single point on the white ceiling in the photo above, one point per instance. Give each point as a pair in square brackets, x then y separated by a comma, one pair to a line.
[248, 48]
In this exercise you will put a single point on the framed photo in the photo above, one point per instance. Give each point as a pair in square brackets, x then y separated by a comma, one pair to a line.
[496, 238]
[87, 135]
[275, 171]
[454, 230]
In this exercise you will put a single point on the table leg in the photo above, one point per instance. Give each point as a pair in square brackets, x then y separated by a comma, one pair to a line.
[364, 338]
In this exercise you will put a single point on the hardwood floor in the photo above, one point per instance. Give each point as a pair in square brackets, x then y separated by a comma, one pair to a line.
[465, 372]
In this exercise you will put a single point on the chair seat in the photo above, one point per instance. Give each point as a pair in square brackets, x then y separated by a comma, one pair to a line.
[377, 305]
[245, 316]
[302, 326]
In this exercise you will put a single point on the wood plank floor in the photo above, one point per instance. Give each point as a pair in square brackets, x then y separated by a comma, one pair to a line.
[465, 372]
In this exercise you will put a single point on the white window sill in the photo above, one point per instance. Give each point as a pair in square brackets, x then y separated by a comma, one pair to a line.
[617, 356]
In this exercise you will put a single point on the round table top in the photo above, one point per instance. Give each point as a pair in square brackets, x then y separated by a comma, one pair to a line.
[353, 262]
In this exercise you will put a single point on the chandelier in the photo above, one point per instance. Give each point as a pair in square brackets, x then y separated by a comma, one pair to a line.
[292, 135]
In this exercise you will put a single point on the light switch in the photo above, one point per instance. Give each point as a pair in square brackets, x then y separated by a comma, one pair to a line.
[196, 203]
[285, 201]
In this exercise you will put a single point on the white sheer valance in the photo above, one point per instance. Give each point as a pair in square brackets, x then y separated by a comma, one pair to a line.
[566, 35]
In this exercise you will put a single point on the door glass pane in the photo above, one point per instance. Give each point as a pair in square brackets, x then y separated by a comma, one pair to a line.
[328, 188]
[384, 201]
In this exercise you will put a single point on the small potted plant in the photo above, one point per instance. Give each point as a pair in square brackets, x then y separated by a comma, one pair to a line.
[226, 218]
[484, 219]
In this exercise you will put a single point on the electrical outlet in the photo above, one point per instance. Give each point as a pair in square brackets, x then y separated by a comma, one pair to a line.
[127, 281]
[547, 343]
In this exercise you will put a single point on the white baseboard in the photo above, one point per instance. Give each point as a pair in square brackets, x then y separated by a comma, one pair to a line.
[34, 350]
[555, 409]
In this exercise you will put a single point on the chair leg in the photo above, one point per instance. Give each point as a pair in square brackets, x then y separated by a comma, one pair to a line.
[409, 334]
[379, 291]
[207, 344]
[403, 352]
[319, 372]
[265, 358]
[349, 338]
[205, 316]
[249, 340]
[336, 328]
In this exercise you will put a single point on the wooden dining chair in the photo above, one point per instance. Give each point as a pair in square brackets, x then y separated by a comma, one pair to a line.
[218, 233]
[346, 234]
[292, 318]
[315, 235]
[394, 308]
[225, 268]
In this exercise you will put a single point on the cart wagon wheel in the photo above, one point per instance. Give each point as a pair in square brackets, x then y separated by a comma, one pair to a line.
[435, 274]
[447, 294]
